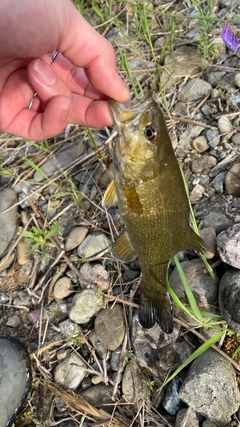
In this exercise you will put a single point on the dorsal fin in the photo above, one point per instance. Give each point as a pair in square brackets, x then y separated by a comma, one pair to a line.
[110, 196]
[122, 248]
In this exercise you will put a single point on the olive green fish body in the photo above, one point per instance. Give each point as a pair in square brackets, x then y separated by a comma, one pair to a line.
[152, 202]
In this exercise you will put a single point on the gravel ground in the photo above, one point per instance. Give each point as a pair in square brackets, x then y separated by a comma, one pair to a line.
[61, 291]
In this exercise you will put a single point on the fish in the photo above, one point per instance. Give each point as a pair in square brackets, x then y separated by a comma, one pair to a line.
[150, 192]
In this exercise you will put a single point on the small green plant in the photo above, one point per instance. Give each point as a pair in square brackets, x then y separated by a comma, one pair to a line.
[206, 24]
[40, 239]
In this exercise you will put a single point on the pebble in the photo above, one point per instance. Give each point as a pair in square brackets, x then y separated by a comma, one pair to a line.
[208, 235]
[185, 61]
[22, 252]
[210, 388]
[23, 298]
[106, 177]
[195, 90]
[224, 125]
[15, 379]
[213, 137]
[85, 306]
[237, 79]
[172, 402]
[133, 385]
[196, 193]
[217, 220]
[228, 246]
[70, 372]
[6, 261]
[75, 237]
[68, 423]
[218, 182]
[188, 415]
[203, 163]
[110, 327]
[95, 275]
[8, 220]
[156, 351]
[204, 288]
[69, 329]
[63, 288]
[115, 358]
[229, 296]
[94, 246]
[200, 144]
[37, 314]
[232, 180]
[236, 138]
[98, 395]
[13, 321]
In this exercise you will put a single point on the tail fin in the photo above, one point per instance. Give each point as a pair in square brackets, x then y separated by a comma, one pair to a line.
[156, 309]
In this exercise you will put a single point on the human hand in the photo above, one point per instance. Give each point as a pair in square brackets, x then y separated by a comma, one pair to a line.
[73, 89]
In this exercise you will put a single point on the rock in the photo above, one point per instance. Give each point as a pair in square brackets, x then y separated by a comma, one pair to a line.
[204, 288]
[97, 345]
[196, 193]
[110, 327]
[70, 372]
[75, 237]
[228, 246]
[217, 220]
[229, 298]
[203, 163]
[185, 61]
[106, 177]
[195, 90]
[218, 182]
[188, 417]
[68, 423]
[232, 180]
[37, 314]
[85, 306]
[213, 137]
[15, 381]
[172, 402]
[69, 329]
[60, 161]
[200, 144]
[6, 261]
[23, 298]
[22, 252]
[95, 275]
[236, 138]
[211, 388]
[237, 79]
[63, 288]
[224, 125]
[99, 395]
[158, 352]
[94, 246]
[115, 358]
[208, 235]
[13, 321]
[133, 386]
[8, 220]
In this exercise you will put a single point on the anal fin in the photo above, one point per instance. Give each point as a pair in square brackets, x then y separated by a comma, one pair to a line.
[156, 310]
[122, 248]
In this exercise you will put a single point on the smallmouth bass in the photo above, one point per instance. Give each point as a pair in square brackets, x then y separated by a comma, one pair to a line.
[150, 193]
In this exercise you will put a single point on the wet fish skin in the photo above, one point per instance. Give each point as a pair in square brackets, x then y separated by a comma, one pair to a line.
[152, 202]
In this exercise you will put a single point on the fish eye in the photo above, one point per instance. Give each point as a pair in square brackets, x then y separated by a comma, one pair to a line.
[150, 133]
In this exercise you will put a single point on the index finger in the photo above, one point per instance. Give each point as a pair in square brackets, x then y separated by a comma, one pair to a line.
[87, 49]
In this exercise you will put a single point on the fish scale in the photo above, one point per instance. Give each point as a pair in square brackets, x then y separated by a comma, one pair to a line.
[150, 193]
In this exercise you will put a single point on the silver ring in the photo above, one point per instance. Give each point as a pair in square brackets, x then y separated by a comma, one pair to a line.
[54, 56]
[31, 102]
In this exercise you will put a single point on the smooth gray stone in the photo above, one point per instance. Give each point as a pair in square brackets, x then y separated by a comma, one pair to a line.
[15, 379]
[8, 220]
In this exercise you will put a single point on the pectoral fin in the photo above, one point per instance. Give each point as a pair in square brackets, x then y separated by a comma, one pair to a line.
[122, 248]
[110, 196]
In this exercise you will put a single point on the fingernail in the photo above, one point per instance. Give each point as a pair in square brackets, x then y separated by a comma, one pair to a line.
[43, 73]
[65, 110]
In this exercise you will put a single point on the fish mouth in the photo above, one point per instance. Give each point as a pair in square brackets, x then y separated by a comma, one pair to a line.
[129, 113]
